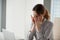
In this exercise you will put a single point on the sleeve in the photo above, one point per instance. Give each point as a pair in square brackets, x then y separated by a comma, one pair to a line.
[31, 34]
[48, 32]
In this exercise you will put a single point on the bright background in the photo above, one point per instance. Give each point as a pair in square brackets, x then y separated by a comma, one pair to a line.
[18, 18]
[15, 16]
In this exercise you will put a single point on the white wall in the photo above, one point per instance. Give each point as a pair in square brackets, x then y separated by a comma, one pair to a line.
[15, 10]
[18, 18]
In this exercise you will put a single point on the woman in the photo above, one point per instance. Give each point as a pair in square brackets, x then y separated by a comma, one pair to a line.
[41, 26]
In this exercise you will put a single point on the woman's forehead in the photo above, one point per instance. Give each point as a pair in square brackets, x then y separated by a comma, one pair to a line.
[34, 13]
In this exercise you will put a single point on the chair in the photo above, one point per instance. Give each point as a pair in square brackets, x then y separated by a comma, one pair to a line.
[1, 36]
[8, 35]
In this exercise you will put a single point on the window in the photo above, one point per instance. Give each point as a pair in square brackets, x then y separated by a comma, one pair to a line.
[55, 5]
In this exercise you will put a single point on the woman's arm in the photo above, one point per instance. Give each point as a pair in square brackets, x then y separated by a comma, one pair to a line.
[32, 28]
[32, 32]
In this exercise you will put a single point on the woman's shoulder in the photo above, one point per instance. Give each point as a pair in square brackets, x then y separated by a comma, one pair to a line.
[49, 23]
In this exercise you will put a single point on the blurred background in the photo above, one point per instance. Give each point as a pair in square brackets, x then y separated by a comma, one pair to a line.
[15, 18]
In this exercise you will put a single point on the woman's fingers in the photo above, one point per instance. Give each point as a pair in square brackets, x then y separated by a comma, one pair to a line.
[32, 19]
[35, 20]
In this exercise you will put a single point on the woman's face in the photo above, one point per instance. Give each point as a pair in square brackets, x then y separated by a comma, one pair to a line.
[38, 17]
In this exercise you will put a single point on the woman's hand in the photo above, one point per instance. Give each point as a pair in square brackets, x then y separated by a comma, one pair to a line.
[33, 24]
[38, 22]
[33, 21]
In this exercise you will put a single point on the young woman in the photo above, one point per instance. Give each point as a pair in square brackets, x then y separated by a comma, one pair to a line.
[41, 26]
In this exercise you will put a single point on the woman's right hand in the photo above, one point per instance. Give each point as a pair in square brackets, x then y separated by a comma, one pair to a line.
[33, 21]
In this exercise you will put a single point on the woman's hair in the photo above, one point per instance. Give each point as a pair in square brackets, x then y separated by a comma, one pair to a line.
[40, 9]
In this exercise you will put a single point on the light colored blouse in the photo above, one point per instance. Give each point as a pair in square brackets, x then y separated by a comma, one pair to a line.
[45, 32]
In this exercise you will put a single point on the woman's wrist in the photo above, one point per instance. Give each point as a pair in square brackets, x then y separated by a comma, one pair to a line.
[33, 27]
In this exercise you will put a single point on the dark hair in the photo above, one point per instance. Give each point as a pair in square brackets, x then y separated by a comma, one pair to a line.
[40, 9]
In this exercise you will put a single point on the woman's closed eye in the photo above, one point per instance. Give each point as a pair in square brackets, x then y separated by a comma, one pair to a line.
[36, 16]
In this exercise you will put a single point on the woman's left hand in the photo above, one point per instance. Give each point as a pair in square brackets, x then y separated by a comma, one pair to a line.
[38, 22]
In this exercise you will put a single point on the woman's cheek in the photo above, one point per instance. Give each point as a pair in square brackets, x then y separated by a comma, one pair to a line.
[39, 18]
[34, 20]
